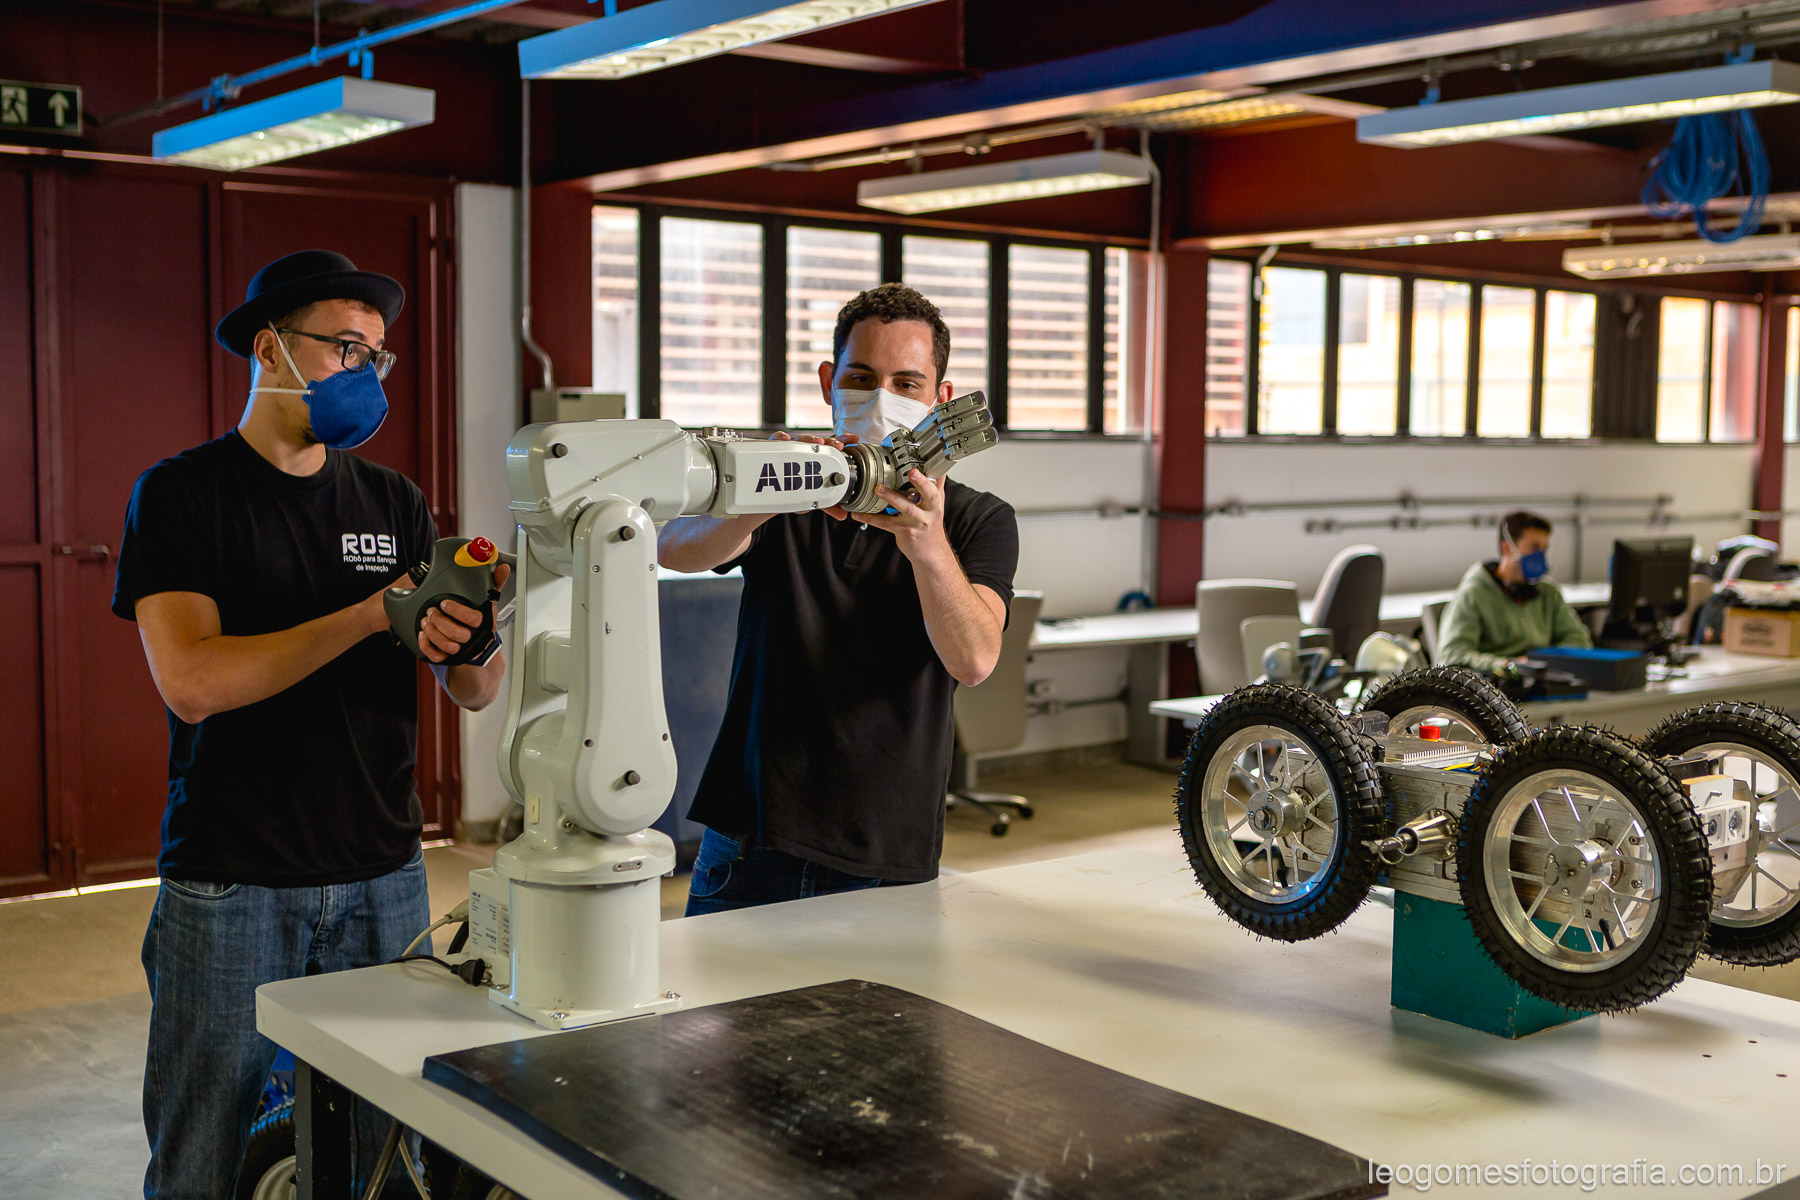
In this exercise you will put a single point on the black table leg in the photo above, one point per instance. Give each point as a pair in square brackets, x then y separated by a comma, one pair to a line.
[324, 1121]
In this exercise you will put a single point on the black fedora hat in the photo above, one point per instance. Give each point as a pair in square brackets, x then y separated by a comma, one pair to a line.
[300, 279]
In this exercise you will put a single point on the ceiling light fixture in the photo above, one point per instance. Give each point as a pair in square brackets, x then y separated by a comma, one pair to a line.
[670, 32]
[1441, 237]
[1585, 105]
[1768, 252]
[1246, 109]
[997, 183]
[336, 112]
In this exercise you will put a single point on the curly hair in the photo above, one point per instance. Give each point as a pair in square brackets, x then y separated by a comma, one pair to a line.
[889, 303]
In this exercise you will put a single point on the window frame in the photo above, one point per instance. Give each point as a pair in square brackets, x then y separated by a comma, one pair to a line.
[775, 226]
[1334, 272]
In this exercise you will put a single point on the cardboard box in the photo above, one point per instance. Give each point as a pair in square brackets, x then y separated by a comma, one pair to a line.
[1769, 631]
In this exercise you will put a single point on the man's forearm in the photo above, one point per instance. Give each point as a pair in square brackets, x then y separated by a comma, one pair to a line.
[962, 628]
[472, 687]
[220, 673]
[702, 543]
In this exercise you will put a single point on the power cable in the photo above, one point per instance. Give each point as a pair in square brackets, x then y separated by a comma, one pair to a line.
[1711, 155]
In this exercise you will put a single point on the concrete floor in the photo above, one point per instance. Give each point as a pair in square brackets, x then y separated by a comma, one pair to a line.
[74, 1008]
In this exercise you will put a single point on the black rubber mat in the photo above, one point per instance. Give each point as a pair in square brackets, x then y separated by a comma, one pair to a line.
[855, 1089]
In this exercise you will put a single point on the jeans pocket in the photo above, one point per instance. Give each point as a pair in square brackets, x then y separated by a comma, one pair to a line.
[417, 863]
[201, 889]
[710, 878]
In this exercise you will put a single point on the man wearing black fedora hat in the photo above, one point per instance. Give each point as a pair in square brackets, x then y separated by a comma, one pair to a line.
[253, 566]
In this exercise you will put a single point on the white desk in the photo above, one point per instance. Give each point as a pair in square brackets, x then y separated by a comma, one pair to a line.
[1180, 624]
[1715, 675]
[1146, 634]
[1119, 958]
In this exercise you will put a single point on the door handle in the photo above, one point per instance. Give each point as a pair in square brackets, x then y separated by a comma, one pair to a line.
[98, 553]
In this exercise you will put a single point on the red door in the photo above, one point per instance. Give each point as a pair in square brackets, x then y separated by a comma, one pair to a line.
[31, 852]
[398, 234]
[111, 279]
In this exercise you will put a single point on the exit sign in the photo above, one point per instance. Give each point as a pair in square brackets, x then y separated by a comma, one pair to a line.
[40, 108]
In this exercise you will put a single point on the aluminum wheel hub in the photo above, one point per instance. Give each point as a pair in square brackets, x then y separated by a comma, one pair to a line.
[1275, 814]
[1580, 869]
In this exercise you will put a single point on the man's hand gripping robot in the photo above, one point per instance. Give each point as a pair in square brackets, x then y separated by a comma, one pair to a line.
[568, 915]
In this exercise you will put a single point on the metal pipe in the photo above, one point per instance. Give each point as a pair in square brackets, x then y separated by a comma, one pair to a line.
[227, 87]
[537, 351]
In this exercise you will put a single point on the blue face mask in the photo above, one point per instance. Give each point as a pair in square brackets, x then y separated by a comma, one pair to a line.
[1533, 566]
[347, 408]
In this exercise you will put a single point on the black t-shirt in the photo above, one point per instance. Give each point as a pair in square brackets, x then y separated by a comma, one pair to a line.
[837, 737]
[313, 785]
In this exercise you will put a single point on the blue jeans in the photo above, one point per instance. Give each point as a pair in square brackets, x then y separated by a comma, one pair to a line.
[731, 873]
[208, 948]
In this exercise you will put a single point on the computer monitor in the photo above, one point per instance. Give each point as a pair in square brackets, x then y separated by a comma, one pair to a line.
[1649, 583]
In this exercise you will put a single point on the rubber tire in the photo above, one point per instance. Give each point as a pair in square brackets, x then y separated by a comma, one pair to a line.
[1674, 941]
[1773, 734]
[1470, 695]
[271, 1142]
[1351, 767]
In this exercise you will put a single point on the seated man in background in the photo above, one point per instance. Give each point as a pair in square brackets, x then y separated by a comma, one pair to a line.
[1508, 606]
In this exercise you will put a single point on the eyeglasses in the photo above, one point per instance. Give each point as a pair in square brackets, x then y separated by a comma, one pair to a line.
[355, 355]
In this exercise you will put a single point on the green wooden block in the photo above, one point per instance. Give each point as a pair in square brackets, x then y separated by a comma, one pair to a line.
[1441, 970]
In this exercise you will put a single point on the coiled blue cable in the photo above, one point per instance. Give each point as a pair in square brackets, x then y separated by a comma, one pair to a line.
[1710, 156]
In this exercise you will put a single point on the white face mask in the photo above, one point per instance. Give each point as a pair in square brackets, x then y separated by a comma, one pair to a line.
[873, 415]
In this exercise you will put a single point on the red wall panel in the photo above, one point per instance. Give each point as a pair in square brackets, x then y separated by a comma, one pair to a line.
[135, 386]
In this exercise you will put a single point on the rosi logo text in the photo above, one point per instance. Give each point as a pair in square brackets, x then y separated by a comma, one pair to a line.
[381, 544]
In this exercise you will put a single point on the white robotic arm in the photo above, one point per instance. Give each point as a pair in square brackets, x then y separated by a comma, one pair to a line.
[586, 743]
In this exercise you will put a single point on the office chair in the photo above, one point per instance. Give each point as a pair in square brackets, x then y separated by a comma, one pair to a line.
[1750, 563]
[1223, 605]
[990, 717]
[1259, 633]
[1431, 618]
[1348, 601]
[1700, 590]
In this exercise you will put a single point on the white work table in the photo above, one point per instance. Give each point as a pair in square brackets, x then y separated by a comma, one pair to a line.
[1119, 958]
[1715, 675]
[1180, 624]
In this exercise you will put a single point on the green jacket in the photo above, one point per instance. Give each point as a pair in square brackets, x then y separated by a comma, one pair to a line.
[1483, 626]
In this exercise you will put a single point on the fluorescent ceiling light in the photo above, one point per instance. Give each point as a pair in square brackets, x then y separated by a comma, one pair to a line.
[669, 32]
[334, 113]
[1251, 108]
[996, 183]
[1769, 252]
[1440, 237]
[1585, 105]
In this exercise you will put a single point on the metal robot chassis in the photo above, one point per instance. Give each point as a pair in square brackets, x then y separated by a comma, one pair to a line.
[1594, 868]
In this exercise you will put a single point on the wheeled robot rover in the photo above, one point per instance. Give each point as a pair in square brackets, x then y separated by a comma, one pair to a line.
[1593, 868]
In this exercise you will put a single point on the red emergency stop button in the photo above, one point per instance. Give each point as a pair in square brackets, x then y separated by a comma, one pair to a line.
[1432, 729]
[482, 550]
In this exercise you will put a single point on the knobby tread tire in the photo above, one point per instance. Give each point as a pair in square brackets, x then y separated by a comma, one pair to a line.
[1675, 938]
[1351, 770]
[271, 1140]
[1468, 694]
[1773, 734]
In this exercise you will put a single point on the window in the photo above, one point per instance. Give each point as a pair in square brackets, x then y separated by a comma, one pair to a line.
[711, 314]
[616, 303]
[1731, 400]
[1681, 354]
[1368, 396]
[1503, 395]
[1227, 345]
[1121, 394]
[1290, 394]
[1568, 364]
[953, 274]
[1440, 358]
[1791, 400]
[826, 268]
[1047, 337]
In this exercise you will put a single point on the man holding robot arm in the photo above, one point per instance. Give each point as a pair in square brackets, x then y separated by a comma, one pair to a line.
[254, 567]
[830, 768]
